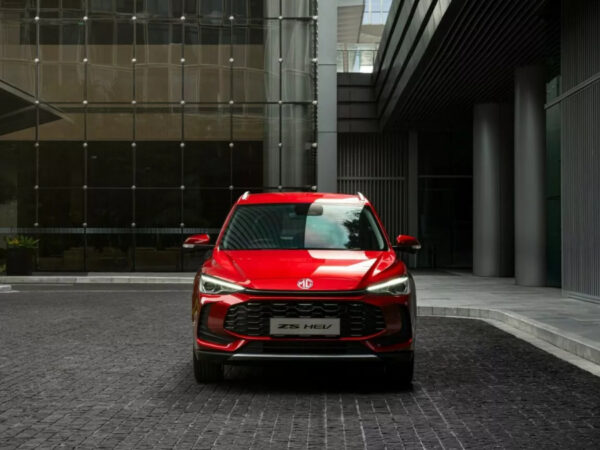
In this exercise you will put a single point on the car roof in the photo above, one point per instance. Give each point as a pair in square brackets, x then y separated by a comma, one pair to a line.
[299, 197]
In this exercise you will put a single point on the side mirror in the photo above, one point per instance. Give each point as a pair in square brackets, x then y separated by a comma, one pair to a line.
[407, 244]
[197, 241]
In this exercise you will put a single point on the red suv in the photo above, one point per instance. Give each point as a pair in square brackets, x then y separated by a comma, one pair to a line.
[299, 277]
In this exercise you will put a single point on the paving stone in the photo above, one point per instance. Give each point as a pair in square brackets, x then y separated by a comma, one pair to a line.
[111, 368]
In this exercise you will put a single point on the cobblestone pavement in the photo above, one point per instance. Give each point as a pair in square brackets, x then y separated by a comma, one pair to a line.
[111, 367]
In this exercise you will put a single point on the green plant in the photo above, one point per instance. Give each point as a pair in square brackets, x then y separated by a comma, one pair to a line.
[21, 242]
[3, 268]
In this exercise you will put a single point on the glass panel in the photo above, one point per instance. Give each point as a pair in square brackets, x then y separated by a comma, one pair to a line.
[270, 8]
[158, 165]
[60, 207]
[60, 252]
[248, 164]
[62, 73]
[100, 7]
[61, 82]
[66, 122]
[125, 6]
[297, 51]
[109, 122]
[158, 123]
[109, 207]
[110, 80]
[158, 252]
[17, 206]
[158, 207]
[213, 11]
[207, 123]
[18, 8]
[158, 68]
[61, 164]
[207, 68]
[207, 164]
[245, 10]
[206, 84]
[107, 8]
[110, 70]
[48, 7]
[206, 208]
[190, 8]
[296, 8]
[256, 123]
[297, 156]
[110, 165]
[17, 178]
[17, 164]
[73, 8]
[109, 252]
[17, 133]
[160, 9]
[256, 66]
[17, 54]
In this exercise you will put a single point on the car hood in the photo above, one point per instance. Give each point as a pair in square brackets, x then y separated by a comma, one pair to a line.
[329, 270]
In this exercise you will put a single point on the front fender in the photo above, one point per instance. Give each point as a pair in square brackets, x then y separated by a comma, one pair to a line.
[195, 296]
[413, 305]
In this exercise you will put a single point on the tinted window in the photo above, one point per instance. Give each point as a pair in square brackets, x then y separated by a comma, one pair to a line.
[303, 226]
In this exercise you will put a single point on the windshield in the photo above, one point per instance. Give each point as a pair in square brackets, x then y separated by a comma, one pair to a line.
[311, 226]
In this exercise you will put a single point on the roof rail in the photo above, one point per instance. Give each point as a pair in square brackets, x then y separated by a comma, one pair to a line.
[245, 195]
[361, 196]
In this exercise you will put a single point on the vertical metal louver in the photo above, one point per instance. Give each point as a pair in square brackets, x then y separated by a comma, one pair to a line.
[376, 164]
[580, 147]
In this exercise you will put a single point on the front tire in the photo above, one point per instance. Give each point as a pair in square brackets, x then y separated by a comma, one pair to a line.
[207, 372]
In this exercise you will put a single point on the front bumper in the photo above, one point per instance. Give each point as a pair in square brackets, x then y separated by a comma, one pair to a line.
[394, 341]
[244, 357]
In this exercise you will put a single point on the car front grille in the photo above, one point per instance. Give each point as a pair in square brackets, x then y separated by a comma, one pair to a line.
[356, 318]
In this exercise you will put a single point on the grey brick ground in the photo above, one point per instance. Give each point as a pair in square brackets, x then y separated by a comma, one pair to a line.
[110, 367]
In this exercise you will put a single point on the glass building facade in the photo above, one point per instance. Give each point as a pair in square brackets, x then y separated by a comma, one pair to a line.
[127, 125]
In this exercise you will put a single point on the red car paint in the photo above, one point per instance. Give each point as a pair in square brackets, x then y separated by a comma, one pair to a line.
[335, 275]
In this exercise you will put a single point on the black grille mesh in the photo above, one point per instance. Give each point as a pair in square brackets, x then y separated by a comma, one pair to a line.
[356, 318]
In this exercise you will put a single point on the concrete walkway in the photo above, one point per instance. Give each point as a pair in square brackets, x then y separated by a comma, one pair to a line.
[541, 313]
[102, 278]
[569, 324]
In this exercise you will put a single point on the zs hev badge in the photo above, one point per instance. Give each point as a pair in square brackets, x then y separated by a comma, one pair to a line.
[305, 283]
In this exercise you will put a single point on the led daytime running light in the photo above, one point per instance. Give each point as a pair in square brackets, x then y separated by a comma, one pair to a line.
[226, 284]
[387, 284]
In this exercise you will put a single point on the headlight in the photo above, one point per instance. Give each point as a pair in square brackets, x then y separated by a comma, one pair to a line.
[394, 286]
[212, 285]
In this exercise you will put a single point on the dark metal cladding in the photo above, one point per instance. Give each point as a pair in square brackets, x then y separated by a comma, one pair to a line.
[375, 164]
[580, 144]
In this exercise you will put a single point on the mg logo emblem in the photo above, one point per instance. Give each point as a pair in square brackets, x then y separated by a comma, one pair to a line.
[305, 283]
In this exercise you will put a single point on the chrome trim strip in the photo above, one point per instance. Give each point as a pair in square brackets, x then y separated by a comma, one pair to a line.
[307, 293]
[292, 356]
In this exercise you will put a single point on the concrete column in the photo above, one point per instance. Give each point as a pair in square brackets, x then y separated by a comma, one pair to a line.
[327, 97]
[493, 223]
[530, 177]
